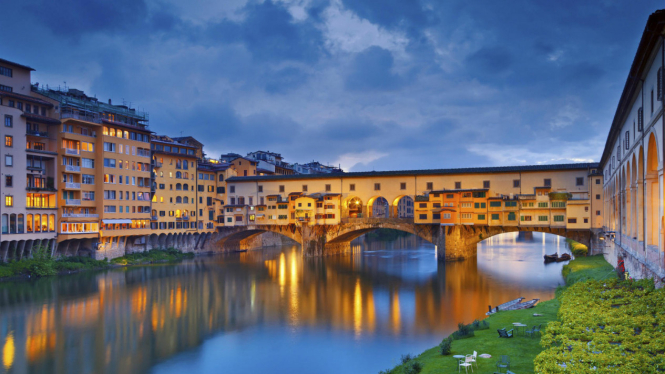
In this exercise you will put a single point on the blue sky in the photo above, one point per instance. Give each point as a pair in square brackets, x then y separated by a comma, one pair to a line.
[368, 84]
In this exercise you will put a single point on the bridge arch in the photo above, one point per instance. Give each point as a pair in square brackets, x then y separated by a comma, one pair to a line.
[352, 207]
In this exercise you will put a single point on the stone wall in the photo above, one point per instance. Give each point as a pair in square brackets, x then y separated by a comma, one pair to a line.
[639, 263]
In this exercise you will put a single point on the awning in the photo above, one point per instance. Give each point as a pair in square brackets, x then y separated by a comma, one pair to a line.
[107, 221]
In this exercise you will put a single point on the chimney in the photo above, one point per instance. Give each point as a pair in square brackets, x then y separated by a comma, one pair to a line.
[110, 102]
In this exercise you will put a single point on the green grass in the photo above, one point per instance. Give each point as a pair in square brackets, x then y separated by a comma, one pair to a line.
[152, 256]
[521, 350]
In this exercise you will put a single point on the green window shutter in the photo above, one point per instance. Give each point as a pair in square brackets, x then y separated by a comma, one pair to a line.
[476, 205]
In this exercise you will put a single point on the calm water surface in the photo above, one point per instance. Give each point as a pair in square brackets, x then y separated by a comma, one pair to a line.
[266, 311]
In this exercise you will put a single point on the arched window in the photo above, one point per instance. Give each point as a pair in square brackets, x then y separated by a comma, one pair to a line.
[44, 222]
[185, 187]
[178, 186]
[38, 223]
[21, 223]
[29, 223]
[221, 177]
[178, 200]
[186, 175]
[178, 164]
[154, 212]
[178, 174]
[51, 222]
[185, 164]
[5, 224]
[185, 200]
[177, 213]
[12, 223]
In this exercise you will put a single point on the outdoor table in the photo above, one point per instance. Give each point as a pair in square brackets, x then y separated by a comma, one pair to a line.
[457, 358]
[517, 326]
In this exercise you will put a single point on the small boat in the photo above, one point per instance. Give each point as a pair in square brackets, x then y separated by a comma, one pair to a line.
[504, 306]
[524, 305]
[551, 258]
[563, 257]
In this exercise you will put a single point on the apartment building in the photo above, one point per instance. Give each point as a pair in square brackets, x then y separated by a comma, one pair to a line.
[28, 165]
[174, 192]
[104, 173]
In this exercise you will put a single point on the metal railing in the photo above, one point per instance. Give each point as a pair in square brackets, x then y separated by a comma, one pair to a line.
[72, 168]
[72, 185]
[72, 201]
[37, 133]
[70, 151]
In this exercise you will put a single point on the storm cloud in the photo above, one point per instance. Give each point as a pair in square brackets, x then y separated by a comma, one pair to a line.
[369, 84]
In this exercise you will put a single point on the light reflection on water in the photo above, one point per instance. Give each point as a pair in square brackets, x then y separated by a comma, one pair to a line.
[267, 309]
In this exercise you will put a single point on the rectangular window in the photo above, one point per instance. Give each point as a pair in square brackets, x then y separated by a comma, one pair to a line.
[422, 205]
[495, 217]
[9, 181]
[558, 218]
[9, 121]
[430, 186]
[281, 189]
[260, 188]
[598, 212]
[9, 160]
[542, 205]
[511, 204]
[436, 215]
[9, 141]
[423, 216]
[466, 215]
[7, 89]
[458, 185]
[572, 220]
[88, 163]
[511, 216]
[9, 200]
[304, 188]
[547, 182]
[558, 204]
[446, 215]
[542, 218]
[352, 187]
[87, 179]
[526, 218]
[402, 186]
[7, 72]
[481, 217]
[579, 181]
[328, 188]
[486, 184]
[377, 186]
[109, 147]
[516, 183]
[495, 204]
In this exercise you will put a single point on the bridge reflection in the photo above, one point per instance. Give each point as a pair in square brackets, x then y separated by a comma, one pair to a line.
[126, 320]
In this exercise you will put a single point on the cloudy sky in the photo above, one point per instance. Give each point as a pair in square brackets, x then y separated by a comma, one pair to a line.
[368, 84]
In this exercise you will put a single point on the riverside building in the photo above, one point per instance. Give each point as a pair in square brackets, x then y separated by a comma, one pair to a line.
[27, 165]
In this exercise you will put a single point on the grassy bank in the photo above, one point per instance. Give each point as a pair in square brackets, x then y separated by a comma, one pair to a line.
[152, 256]
[43, 265]
[521, 350]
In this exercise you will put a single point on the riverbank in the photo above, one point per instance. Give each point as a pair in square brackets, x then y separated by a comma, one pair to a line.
[43, 265]
[521, 350]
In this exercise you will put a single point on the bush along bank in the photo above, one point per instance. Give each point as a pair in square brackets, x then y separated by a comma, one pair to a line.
[578, 249]
[482, 337]
[41, 264]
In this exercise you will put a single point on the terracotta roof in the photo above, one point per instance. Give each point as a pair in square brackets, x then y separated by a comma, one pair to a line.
[26, 98]
[478, 170]
[15, 64]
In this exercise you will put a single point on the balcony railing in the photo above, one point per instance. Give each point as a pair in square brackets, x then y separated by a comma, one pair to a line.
[70, 151]
[72, 168]
[76, 133]
[40, 188]
[36, 168]
[157, 164]
[79, 215]
[73, 185]
[153, 218]
[182, 218]
[72, 201]
[43, 134]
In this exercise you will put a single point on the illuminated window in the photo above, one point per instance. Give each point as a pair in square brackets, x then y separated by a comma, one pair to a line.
[9, 141]
[9, 200]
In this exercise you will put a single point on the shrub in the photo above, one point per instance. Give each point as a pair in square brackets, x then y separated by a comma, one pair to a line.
[463, 332]
[406, 358]
[578, 249]
[413, 367]
[446, 346]
[5, 271]
[480, 325]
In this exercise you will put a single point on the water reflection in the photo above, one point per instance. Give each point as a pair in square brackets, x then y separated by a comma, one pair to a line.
[285, 312]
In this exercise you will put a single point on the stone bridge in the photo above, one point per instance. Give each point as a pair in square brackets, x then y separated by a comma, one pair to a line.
[452, 242]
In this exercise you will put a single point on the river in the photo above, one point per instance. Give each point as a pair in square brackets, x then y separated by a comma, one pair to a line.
[268, 311]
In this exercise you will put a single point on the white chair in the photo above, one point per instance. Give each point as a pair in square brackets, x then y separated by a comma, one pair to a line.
[473, 359]
[466, 363]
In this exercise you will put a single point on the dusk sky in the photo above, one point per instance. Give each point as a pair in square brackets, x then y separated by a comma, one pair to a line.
[368, 84]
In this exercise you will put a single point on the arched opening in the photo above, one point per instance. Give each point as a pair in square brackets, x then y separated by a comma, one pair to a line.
[640, 195]
[403, 207]
[624, 202]
[378, 207]
[354, 207]
[633, 199]
[653, 192]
